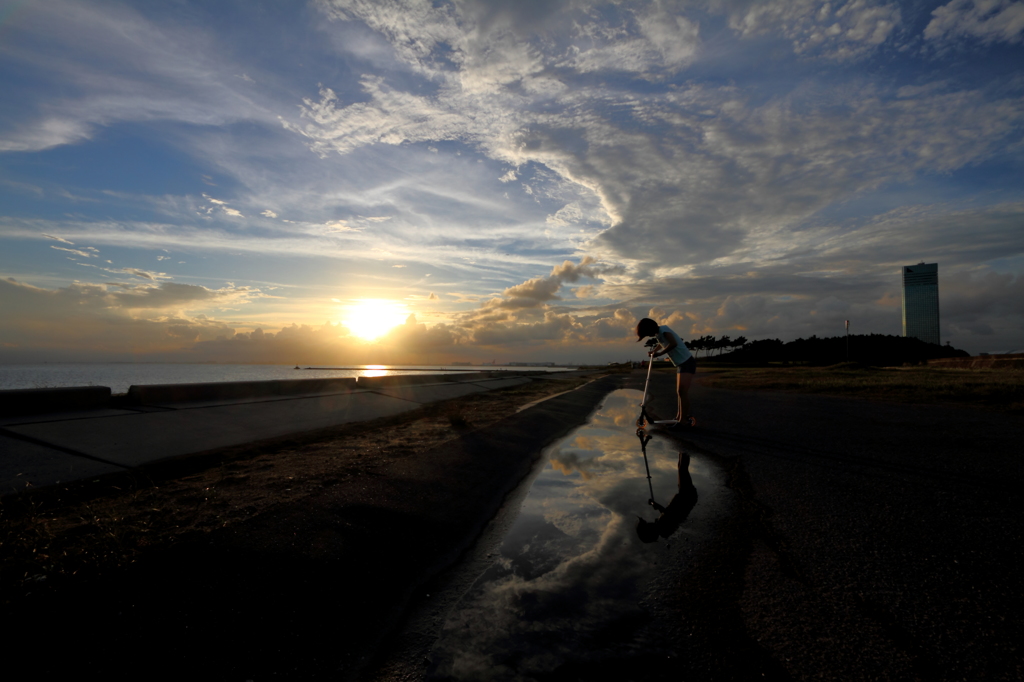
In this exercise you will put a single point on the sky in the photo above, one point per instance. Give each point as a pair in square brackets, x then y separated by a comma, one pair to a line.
[350, 181]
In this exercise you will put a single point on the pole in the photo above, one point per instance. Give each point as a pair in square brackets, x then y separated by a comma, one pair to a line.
[847, 340]
[644, 438]
[643, 409]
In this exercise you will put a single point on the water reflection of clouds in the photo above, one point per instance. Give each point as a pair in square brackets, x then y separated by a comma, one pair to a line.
[517, 627]
[571, 565]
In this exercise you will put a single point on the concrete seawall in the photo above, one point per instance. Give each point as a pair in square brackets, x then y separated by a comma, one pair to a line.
[41, 400]
[156, 394]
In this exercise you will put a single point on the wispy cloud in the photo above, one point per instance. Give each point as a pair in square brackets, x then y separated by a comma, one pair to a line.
[90, 253]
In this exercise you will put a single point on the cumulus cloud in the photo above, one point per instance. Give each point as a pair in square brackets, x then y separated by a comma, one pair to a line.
[540, 290]
[83, 319]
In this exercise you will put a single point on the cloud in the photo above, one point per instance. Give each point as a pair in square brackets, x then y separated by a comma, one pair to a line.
[834, 30]
[222, 205]
[160, 321]
[83, 320]
[989, 21]
[406, 343]
[339, 226]
[684, 176]
[540, 290]
[144, 274]
[59, 239]
[648, 40]
[114, 64]
[175, 295]
[490, 141]
[77, 252]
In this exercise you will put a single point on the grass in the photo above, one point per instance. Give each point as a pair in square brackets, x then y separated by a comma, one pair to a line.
[992, 389]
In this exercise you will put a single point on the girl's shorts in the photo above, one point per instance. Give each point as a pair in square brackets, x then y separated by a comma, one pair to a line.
[688, 367]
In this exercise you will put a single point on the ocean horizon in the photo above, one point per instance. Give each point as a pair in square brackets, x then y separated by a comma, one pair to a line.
[119, 376]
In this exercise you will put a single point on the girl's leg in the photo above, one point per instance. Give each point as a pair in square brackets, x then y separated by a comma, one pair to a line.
[683, 382]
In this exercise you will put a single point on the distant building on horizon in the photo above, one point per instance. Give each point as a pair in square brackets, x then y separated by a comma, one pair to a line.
[921, 301]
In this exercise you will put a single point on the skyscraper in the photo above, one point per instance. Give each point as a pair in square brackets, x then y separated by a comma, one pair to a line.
[921, 301]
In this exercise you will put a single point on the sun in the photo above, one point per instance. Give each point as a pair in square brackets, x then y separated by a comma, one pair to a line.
[371, 319]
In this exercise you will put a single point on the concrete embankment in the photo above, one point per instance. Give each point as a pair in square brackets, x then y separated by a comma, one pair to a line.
[51, 436]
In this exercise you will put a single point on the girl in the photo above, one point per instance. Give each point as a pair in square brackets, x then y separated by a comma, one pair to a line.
[671, 345]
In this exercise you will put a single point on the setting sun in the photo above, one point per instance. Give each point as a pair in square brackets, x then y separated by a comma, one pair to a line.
[370, 319]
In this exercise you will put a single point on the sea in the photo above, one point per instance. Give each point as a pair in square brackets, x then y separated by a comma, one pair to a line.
[120, 376]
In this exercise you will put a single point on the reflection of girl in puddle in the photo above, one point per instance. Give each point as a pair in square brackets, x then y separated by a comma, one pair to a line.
[676, 511]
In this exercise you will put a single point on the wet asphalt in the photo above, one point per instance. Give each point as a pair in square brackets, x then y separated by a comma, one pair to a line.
[871, 541]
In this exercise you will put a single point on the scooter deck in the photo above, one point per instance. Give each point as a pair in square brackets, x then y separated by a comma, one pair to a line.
[671, 423]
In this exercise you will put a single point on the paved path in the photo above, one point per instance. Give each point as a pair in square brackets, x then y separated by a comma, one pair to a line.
[47, 449]
[878, 541]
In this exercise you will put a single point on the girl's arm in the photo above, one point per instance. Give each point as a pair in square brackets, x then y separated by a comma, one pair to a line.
[672, 343]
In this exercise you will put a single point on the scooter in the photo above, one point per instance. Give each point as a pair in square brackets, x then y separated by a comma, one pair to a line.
[643, 419]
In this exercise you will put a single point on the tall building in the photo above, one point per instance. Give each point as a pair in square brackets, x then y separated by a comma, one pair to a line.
[921, 301]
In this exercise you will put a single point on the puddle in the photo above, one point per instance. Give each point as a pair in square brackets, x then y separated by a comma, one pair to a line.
[570, 578]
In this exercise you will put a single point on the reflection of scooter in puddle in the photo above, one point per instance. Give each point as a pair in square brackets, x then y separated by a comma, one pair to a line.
[677, 510]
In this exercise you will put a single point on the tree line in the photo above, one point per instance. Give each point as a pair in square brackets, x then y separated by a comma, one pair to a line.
[879, 350]
[709, 344]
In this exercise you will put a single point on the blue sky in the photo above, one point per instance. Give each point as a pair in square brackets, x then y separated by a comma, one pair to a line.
[506, 181]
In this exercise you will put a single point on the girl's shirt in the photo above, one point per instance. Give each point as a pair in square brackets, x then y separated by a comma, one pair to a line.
[680, 353]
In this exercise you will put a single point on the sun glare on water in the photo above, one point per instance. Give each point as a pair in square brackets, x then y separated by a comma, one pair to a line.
[371, 319]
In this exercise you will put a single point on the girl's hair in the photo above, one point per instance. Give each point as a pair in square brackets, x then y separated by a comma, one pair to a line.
[646, 327]
[646, 530]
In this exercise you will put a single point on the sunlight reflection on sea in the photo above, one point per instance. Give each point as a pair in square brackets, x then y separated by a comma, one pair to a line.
[119, 376]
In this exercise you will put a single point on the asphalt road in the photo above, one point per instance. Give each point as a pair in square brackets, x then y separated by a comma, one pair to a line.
[871, 541]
